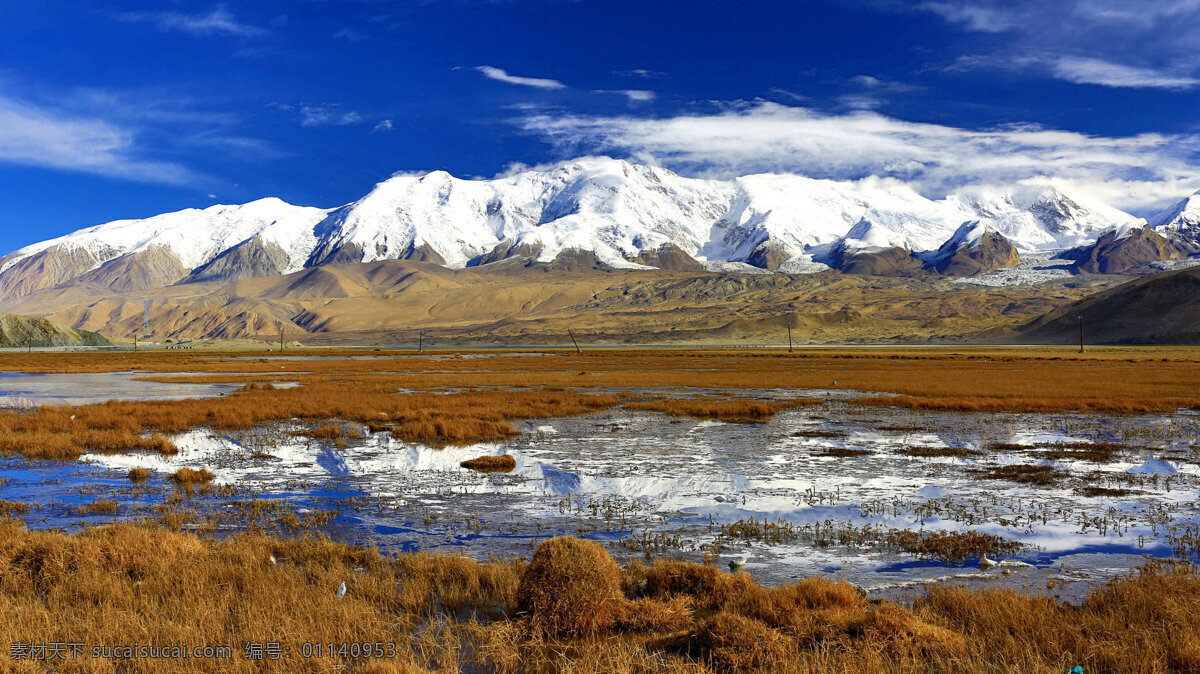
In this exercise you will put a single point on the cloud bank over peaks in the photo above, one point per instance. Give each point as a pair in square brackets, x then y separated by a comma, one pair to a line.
[1139, 173]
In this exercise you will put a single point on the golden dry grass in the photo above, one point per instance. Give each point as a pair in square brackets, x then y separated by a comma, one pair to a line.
[10, 508]
[106, 506]
[572, 587]
[125, 584]
[189, 477]
[727, 410]
[139, 474]
[368, 390]
[67, 432]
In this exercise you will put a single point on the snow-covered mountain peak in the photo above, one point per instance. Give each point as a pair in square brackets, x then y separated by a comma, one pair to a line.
[611, 208]
[1182, 216]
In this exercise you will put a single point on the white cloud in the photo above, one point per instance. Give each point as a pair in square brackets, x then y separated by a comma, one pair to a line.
[974, 16]
[1080, 70]
[1135, 172]
[385, 125]
[35, 136]
[327, 114]
[872, 92]
[501, 75]
[634, 95]
[1098, 71]
[642, 73]
[217, 22]
[1113, 43]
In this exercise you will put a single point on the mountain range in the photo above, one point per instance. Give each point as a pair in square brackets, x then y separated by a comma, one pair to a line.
[613, 214]
[611, 249]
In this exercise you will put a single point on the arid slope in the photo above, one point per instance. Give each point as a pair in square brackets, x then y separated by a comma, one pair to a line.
[514, 302]
[1159, 309]
[30, 331]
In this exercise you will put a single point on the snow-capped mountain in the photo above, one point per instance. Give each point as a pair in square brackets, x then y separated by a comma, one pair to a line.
[620, 213]
[613, 208]
[162, 249]
[1181, 221]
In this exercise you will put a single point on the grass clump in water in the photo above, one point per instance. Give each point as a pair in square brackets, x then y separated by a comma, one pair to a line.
[105, 507]
[189, 477]
[1039, 476]
[951, 547]
[10, 508]
[818, 434]
[933, 452]
[844, 453]
[139, 474]
[1100, 452]
[505, 463]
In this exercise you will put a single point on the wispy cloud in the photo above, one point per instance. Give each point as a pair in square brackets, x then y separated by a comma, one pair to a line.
[642, 73]
[1112, 43]
[385, 125]
[871, 92]
[31, 135]
[327, 114]
[1082, 70]
[1135, 172]
[634, 95]
[217, 22]
[350, 35]
[501, 75]
[974, 16]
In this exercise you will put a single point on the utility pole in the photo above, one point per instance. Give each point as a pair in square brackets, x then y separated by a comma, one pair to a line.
[789, 337]
[281, 338]
[1081, 333]
[420, 341]
[573, 340]
[29, 342]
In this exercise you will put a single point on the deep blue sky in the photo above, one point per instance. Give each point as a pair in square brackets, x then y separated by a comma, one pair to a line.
[118, 109]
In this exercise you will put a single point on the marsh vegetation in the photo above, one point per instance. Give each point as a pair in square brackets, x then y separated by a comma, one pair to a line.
[676, 466]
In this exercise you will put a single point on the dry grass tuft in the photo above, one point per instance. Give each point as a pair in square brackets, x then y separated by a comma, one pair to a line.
[329, 431]
[1104, 491]
[160, 444]
[951, 547]
[10, 508]
[189, 477]
[655, 615]
[843, 452]
[931, 452]
[735, 643]
[1100, 452]
[107, 506]
[571, 587]
[706, 586]
[1039, 476]
[505, 463]
[898, 632]
[139, 474]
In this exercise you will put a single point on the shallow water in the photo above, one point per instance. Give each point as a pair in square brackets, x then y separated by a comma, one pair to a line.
[20, 389]
[643, 482]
